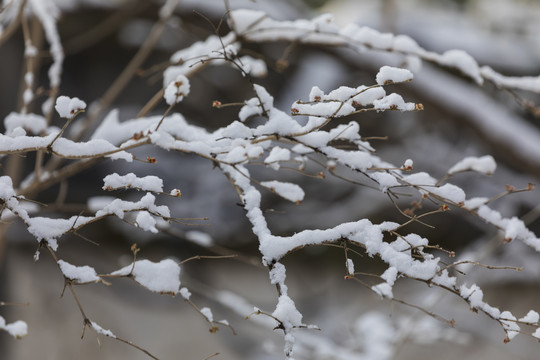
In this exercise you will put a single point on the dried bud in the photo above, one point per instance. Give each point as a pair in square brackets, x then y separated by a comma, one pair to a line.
[510, 188]
[331, 165]
[216, 104]
[294, 110]
[151, 159]
[418, 107]
[281, 65]
[138, 135]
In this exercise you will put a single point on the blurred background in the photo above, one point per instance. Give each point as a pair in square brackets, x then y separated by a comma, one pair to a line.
[460, 119]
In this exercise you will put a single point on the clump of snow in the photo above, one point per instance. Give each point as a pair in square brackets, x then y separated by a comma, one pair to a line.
[509, 324]
[532, 317]
[286, 190]
[301, 149]
[68, 107]
[146, 183]
[119, 207]
[350, 266]
[207, 314]
[161, 277]
[278, 274]
[97, 203]
[177, 89]
[32, 122]
[390, 75]
[175, 192]
[449, 192]
[101, 330]
[146, 222]
[276, 155]
[252, 66]
[49, 229]
[444, 279]
[393, 102]
[199, 238]
[530, 83]
[185, 293]
[256, 105]
[6, 188]
[385, 180]
[462, 61]
[17, 329]
[80, 274]
[376, 334]
[287, 313]
[485, 165]
[384, 290]
[408, 164]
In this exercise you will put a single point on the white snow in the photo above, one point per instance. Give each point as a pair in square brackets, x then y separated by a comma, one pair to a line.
[80, 274]
[177, 89]
[200, 238]
[393, 102]
[278, 274]
[68, 107]
[408, 164]
[185, 293]
[532, 317]
[286, 190]
[130, 180]
[449, 192]
[101, 330]
[287, 313]
[350, 266]
[390, 75]
[509, 324]
[146, 222]
[384, 179]
[17, 329]
[43, 228]
[119, 207]
[161, 277]
[484, 165]
[462, 61]
[30, 122]
[529, 83]
[208, 314]
[276, 155]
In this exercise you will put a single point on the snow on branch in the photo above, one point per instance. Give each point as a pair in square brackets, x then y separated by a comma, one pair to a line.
[261, 134]
[162, 277]
[257, 26]
[17, 329]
